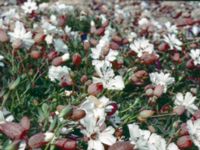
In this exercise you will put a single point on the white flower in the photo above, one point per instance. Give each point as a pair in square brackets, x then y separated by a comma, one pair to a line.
[1, 63]
[131, 36]
[187, 101]
[49, 39]
[171, 28]
[156, 142]
[161, 79]
[97, 107]
[144, 140]
[143, 21]
[21, 34]
[139, 138]
[142, 45]
[173, 41]
[5, 116]
[195, 55]
[195, 30]
[194, 131]
[107, 76]
[60, 46]
[68, 29]
[58, 72]
[61, 8]
[103, 42]
[97, 136]
[172, 146]
[112, 55]
[29, 6]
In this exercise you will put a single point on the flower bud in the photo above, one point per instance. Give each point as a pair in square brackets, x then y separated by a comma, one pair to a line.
[149, 92]
[35, 54]
[52, 55]
[148, 59]
[184, 142]
[16, 44]
[86, 45]
[165, 108]
[77, 114]
[100, 31]
[66, 81]
[95, 88]
[114, 46]
[119, 132]
[158, 90]
[163, 47]
[121, 145]
[76, 59]
[12, 130]
[145, 114]
[196, 115]
[60, 60]
[190, 64]
[117, 39]
[183, 130]
[25, 123]
[114, 108]
[40, 139]
[139, 77]
[3, 36]
[65, 144]
[176, 58]
[39, 37]
[179, 110]
[84, 78]
[61, 21]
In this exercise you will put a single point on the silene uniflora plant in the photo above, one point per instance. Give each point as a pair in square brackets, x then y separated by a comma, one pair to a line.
[103, 75]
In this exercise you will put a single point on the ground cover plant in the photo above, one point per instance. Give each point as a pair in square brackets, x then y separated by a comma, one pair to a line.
[99, 75]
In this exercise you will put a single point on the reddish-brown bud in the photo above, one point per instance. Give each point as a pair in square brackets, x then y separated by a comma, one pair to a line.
[52, 55]
[95, 89]
[183, 130]
[163, 47]
[184, 142]
[77, 114]
[25, 123]
[139, 77]
[76, 59]
[40, 139]
[148, 59]
[12, 130]
[179, 110]
[35, 54]
[65, 144]
[121, 146]
[3, 36]
[158, 90]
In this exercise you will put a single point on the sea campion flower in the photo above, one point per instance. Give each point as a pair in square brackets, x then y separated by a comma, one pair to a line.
[97, 135]
[171, 28]
[29, 6]
[144, 140]
[195, 55]
[186, 101]
[1, 63]
[173, 41]
[161, 78]
[20, 33]
[60, 46]
[107, 76]
[96, 107]
[194, 131]
[98, 51]
[58, 72]
[141, 46]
